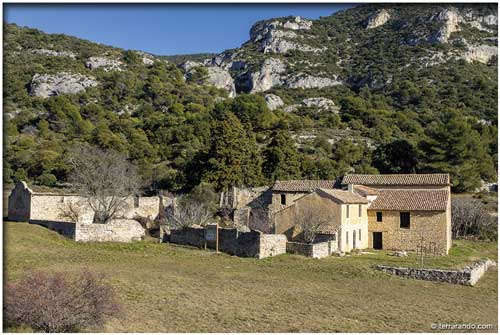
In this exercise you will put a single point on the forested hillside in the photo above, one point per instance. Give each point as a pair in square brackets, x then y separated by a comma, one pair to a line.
[376, 88]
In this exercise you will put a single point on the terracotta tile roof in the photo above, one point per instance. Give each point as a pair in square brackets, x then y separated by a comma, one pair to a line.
[302, 185]
[411, 200]
[397, 179]
[344, 197]
[365, 190]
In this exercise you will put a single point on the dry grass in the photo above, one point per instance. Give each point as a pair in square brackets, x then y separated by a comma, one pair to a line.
[167, 288]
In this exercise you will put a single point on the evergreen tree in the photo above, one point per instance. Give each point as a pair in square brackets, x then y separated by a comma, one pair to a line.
[281, 159]
[233, 155]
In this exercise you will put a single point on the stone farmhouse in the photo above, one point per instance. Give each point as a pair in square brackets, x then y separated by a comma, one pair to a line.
[392, 212]
[406, 211]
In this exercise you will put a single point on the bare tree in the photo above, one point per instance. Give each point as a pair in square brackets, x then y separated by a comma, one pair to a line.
[104, 178]
[72, 210]
[312, 219]
[187, 213]
[469, 218]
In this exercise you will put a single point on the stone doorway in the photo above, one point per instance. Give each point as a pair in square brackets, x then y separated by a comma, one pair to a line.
[377, 240]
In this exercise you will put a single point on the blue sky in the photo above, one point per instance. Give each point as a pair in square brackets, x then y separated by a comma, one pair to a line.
[162, 29]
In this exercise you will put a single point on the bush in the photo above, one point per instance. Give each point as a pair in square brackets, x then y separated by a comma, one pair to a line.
[47, 179]
[58, 302]
[470, 219]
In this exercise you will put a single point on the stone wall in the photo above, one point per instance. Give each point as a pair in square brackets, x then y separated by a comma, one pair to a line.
[64, 228]
[118, 230]
[272, 245]
[20, 203]
[26, 205]
[466, 276]
[315, 250]
[433, 226]
[231, 241]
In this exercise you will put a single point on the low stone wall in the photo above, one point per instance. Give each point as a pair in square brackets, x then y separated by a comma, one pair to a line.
[315, 250]
[233, 242]
[272, 245]
[64, 228]
[118, 230]
[466, 276]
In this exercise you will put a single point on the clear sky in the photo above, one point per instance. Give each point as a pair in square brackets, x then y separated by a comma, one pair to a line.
[162, 29]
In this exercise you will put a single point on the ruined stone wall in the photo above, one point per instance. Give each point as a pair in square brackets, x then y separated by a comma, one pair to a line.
[20, 203]
[433, 226]
[231, 241]
[466, 276]
[315, 250]
[272, 245]
[64, 228]
[26, 205]
[118, 230]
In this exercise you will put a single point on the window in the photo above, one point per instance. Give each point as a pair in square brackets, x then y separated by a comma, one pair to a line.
[379, 216]
[360, 211]
[347, 211]
[404, 220]
[360, 234]
[346, 238]
[283, 199]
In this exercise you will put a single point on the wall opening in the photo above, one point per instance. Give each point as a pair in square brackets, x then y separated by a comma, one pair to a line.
[404, 220]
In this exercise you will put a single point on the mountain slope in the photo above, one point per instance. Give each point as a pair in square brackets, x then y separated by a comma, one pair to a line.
[388, 88]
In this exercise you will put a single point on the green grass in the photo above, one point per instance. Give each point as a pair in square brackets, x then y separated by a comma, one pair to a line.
[168, 288]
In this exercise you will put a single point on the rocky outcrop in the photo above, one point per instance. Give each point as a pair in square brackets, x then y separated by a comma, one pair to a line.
[298, 23]
[216, 76]
[378, 19]
[260, 29]
[321, 103]
[450, 19]
[107, 64]
[270, 36]
[308, 81]
[273, 101]
[221, 78]
[147, 61]
[47, 85]
[53, 53]
[269, 75]
[480, 53]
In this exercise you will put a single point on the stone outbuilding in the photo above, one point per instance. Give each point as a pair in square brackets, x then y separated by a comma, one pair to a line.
[406, 211]
[50, 210]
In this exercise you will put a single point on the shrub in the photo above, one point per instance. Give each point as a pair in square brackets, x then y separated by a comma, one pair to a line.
[58, 302]
[47, 179]
[470, 219]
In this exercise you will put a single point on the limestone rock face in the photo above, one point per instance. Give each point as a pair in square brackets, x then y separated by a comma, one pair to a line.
[189, 65]
[298, 23]
[480, 53]
[450, 19]
[308, 81]
[106, 64]
[221, 78]
[216, 76]
[378, 19]
[260, 29]
[269, 75]
[273, 101]
[272, 38]
[147, 61]
[321, 103]
[47, 85]
[48, 52]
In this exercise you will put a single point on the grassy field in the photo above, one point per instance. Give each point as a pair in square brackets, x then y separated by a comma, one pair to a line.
[168, 288]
